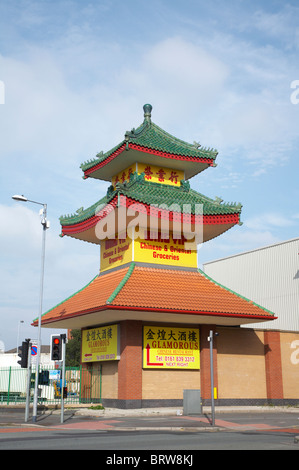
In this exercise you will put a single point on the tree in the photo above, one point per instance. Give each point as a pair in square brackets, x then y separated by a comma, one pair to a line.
[73, 350]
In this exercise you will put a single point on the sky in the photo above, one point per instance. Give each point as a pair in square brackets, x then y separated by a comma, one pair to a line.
[74, 76]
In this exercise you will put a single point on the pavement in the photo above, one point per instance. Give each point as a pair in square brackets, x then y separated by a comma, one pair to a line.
[238, 419]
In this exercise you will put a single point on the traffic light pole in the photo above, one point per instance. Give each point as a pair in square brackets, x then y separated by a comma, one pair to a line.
[28, 384]
[63, 338]
[212, 378]
[210, 339]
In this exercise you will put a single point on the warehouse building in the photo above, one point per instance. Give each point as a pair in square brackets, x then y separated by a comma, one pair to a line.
[269, 276]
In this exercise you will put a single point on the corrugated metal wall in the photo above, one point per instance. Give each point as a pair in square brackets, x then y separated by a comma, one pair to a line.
[269, 276]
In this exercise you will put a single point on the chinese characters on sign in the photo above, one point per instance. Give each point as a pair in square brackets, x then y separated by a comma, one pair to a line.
[124, 175]
[170, 348]
[100, 343]
[152, 173]
[162, 175]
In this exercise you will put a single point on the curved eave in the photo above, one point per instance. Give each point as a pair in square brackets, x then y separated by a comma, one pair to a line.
[213, 225]
[127, 293]
[115, 313]
[131, 153]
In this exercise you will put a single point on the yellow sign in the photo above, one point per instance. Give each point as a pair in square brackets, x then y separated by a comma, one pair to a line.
[101, 343]
[153, 249]
[170, 348]
[155, 174]
[169, 251]
[124, 175]
[115, 252]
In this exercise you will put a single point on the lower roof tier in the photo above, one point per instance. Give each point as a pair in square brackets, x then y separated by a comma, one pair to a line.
[136, 292]
[176, 204]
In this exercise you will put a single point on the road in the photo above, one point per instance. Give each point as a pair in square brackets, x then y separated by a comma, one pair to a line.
[116, 434]
[117, 441]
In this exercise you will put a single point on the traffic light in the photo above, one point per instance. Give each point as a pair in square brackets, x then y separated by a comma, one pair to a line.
[23, 354]
[56, 348]
[43, 377]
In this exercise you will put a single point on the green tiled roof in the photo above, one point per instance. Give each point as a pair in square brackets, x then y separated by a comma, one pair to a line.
[151, 136]
[156, 194]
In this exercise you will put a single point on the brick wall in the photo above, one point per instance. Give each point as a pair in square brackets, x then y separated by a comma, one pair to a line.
[130, 364]
[289, 343]
[273, 365]
[205, 368]
[241, 364]
[250, 366]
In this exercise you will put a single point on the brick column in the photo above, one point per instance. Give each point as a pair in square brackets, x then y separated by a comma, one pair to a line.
[130, 364]
[205, 369]
[273, 365]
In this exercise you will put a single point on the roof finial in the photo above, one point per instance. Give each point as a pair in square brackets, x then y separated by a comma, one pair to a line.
[147, 108]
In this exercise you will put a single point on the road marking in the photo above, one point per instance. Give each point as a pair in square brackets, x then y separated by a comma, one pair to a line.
[25, 429]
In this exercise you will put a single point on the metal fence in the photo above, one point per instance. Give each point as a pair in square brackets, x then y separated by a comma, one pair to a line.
[82, 385]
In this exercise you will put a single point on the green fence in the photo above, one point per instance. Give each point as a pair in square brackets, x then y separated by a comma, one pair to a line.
[82, 385]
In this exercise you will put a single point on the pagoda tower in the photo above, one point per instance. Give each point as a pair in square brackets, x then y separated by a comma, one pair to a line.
[146, 315]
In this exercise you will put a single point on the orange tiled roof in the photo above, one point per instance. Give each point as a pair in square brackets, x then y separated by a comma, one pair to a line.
[90, 298]
[149, 288]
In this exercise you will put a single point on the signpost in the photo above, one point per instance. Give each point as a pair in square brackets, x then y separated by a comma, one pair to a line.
[210, 339]
[28, 385]
[32, 354]
[63, 339]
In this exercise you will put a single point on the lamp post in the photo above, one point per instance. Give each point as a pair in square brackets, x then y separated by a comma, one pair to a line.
[21, 321]
[45, 225]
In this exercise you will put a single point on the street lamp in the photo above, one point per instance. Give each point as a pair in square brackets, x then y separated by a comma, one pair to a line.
[45, 225]
[19, 324]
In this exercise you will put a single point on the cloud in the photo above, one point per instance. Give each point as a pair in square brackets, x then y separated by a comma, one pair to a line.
[178, 62]
[212, 73]
[19, 225]
[41, 115]
[268, 220]
[259, 231]
[60, 105]
[62, 114]
[279, 25]
[67, 269]
[259, 172]
[237, 240]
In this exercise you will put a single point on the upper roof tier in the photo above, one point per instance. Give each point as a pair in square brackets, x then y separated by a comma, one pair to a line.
[179, 201]
[150, 144]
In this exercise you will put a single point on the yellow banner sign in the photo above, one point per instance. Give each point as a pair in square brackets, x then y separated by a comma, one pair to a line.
[101, 343]
[155, 174]
[169, 251]
[124, 175]
[161, 175]
[154, 250]
[170, 348]
[115, 252]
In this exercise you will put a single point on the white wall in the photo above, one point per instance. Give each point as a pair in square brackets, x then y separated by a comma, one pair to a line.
[11, 360]
[269, 276]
